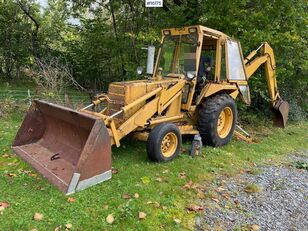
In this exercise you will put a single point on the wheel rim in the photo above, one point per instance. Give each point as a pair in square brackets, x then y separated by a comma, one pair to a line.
[169, 144]
[224, 122]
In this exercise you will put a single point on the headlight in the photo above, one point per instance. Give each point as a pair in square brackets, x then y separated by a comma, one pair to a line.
[139, 70]
[190, 75]
[192, 30]
[166, 32]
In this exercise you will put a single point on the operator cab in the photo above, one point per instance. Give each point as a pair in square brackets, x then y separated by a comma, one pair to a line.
[189, 53]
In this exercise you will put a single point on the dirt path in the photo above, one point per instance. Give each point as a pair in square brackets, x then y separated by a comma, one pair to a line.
[269, 198]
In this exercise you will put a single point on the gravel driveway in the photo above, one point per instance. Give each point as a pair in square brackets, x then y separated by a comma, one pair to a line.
[269, 198]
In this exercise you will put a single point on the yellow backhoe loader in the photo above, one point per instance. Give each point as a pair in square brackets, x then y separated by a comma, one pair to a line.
[191, 89]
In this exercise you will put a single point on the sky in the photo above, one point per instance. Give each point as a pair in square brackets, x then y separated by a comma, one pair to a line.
[43, 2]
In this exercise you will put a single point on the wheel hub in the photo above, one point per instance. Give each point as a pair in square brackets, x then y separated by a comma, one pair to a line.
[224, 122]
[169, 144]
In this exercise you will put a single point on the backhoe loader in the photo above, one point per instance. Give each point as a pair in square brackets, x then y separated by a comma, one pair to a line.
[182, 94]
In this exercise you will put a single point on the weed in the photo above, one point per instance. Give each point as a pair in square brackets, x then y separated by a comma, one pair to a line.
[252, 188]
[300, 165]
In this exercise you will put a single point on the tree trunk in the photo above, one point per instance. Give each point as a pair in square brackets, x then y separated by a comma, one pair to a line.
[116, 36]
[35, 41]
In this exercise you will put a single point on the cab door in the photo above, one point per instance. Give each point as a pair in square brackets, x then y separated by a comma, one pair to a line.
[236, 69]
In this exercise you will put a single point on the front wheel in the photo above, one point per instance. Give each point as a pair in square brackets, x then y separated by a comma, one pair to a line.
[217, 117]
[164, 142]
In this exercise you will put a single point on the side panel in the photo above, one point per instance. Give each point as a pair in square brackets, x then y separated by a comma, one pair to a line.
[213, 88]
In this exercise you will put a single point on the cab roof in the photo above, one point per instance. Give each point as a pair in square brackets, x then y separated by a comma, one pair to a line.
[199, 29]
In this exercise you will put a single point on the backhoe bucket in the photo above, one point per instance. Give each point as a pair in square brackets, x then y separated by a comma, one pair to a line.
[281, 112]
[71, 149]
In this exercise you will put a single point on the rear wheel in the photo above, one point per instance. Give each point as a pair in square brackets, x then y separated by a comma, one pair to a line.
[164, 142]
[216, 122]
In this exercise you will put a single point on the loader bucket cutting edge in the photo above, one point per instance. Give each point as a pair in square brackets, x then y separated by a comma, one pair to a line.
[70, 148]
[281, 113]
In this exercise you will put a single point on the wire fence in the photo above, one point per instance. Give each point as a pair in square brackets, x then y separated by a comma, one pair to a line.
[26, 95]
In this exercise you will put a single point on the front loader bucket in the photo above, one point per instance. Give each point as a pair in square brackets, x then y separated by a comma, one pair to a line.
[281, 112]
[71, 149]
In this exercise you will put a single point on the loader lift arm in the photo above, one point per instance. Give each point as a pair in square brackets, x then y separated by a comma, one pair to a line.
[281, 108]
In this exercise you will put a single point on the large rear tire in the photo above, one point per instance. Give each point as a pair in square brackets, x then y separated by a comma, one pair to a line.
[217, 118]
[164, 142]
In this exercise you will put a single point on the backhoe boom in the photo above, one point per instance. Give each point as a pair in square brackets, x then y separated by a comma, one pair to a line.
[268, 59]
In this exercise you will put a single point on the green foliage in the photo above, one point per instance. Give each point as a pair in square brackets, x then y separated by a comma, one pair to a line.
[9, 106]
[15, 38]
[252, 188]
[301, 165]
[105, 43]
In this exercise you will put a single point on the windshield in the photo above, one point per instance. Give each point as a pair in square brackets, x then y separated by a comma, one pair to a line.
[178, 54]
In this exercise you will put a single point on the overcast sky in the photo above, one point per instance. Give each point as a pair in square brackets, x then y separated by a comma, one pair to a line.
[42, 2]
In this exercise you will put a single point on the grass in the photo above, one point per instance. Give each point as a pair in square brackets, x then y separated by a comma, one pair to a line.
[18, 92]
[252, 188]
[301, 165]
[161, 184]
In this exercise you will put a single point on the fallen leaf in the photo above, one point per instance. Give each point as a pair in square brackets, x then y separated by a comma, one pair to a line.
[182, 175]
[164, 207]
[255, 228]
[126, 196]
[156, 204]
[71, 199]
[188, 185]
[114, 171]
[226, 195]
[236, 202]
[166, 171]
[194, 208]
[158, 179]
[242, 171]
[145, 179]
[215, 199]
[136, 195]
[184, 149]
[58, 228]
[162, 226]
[11, 174]
[110, 219]
[201, 195]
[38, 216]
[178, 221]
[4, 205]
[220, 189]
[12, 164]
[5, 155]
[142, 215]
[68, 226]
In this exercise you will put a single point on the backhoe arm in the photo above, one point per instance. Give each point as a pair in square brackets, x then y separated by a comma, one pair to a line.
[267, 58]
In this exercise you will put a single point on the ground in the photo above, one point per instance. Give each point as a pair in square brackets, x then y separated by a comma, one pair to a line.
[141, 195]
[273, 197]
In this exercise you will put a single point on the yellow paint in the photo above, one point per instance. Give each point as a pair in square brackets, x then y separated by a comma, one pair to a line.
[267, 58]
[169, 144]
[141, 104]
[224, 122]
